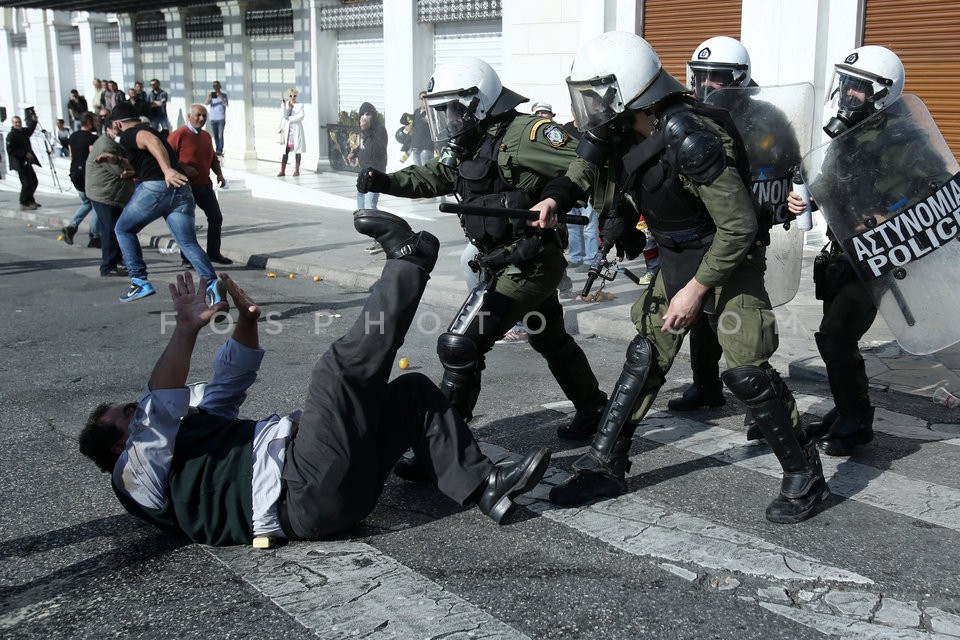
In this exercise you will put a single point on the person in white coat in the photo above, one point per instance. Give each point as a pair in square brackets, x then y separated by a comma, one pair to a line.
[291, 131]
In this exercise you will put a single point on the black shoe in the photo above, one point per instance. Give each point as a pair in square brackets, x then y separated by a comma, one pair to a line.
[847, 433]
[68, 232]
[510, 480]
[784, 510]
[818, 429]
[410, 470]
[802, 493]
[397, 238]
[586, 485]
[221, 259]
[699, 396]
[94, 243]
[584, 424]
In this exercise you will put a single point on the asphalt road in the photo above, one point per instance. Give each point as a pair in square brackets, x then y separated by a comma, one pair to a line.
[686, 554]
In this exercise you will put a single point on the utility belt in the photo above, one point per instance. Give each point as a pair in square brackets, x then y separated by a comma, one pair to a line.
[831, 271]
[687, 239]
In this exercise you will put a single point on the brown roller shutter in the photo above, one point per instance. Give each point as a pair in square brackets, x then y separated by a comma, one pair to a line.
[676, 27]
[924, 34]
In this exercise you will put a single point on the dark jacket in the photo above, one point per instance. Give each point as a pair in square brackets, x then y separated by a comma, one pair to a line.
[372, 151]
[18, 145]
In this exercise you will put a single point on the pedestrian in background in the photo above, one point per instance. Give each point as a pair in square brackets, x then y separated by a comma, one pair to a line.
[80, 143]
[218, 103]
[76, 107]
[291, 131]
[158, 103]
[371, 152]
[194, 148]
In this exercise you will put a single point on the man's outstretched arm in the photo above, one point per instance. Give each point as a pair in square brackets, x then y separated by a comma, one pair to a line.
[190, 306]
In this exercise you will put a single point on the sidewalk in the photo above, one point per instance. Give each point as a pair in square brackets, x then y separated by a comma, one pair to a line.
[303, 226]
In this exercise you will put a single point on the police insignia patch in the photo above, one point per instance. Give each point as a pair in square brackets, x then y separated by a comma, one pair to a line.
[556, 136]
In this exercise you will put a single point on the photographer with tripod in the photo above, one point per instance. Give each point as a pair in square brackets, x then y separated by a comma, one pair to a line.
[22, 158]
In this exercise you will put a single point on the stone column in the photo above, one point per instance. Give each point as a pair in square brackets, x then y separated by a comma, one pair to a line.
[39, 77]
[94, 53]
[238, 135]
[322, 81]
[408, 64]
[129, 53]
[180, 68]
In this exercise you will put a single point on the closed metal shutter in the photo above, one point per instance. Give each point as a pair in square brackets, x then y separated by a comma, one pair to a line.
[79, 83]
[676, 27]
[924, 34]
[360, 69]
[272, 73]
[478, 39]
[116, 65]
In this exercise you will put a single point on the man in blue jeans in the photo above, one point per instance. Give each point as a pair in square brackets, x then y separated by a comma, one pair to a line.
[163, 192]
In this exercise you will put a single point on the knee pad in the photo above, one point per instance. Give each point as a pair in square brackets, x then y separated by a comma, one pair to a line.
[639, 358]
[458, 353]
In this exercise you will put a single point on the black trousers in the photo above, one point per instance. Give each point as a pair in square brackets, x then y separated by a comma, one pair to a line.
[206, 199]
[107, 216]
[28, 182]
[356, 425]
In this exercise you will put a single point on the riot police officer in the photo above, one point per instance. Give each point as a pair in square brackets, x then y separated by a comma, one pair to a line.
[773, 150]
[496, 157]
[869, 79]
[646, 141]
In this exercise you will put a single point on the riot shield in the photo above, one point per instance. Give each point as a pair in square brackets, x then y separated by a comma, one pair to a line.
[890, 191]
[775, 123]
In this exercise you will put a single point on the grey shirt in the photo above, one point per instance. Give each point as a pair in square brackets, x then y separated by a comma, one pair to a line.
[102, 180]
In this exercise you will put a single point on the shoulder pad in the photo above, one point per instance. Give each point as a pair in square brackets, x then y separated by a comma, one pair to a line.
[697, 151]
[552, 133]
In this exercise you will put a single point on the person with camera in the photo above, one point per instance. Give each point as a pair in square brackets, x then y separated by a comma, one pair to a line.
[371, 152]
[22, 158]
[218, 103]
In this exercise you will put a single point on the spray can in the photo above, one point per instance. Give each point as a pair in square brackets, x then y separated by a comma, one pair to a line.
[805, 219]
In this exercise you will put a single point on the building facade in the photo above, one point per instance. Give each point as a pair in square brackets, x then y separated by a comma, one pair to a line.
[340, 54]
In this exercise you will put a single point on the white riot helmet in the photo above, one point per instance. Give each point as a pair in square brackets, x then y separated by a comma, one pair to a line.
[718, 62]
[461, 94]
[615, 72]
[867, 80]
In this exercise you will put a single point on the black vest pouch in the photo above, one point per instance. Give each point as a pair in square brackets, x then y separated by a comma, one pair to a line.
[680, 257]
[482, 177]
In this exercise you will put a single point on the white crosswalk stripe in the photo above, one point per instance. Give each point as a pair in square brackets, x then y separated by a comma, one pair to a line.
[341, 589]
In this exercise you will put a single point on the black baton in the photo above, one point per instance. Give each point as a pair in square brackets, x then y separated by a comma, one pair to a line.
[497, 212]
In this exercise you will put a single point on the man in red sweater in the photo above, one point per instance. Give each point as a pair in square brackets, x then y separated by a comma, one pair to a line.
[194, 148]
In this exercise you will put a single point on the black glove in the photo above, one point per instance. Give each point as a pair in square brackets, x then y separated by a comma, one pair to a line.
[612, 229]
[516, 254]
[369, 179]
[495, 260]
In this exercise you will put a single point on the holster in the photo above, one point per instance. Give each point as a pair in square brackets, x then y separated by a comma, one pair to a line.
[831, 271]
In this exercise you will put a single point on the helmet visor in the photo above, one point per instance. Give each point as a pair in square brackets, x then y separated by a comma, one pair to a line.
[857, 90]
[450, 114]
[705, 79]
[595, 101]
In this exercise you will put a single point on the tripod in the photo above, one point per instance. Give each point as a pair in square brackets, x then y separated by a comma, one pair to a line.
[46, 145]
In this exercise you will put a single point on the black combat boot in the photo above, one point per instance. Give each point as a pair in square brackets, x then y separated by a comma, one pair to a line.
[847, 433]
[594, 478]
[584, 423]
[699, 396]
[601, 472]
[803, 488]
[851, 422]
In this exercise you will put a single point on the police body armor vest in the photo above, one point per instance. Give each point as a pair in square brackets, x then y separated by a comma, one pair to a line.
[481, 182]
[676, 218]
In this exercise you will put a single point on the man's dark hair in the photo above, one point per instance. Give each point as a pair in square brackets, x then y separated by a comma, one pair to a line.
[97, 438]
[87, 118]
